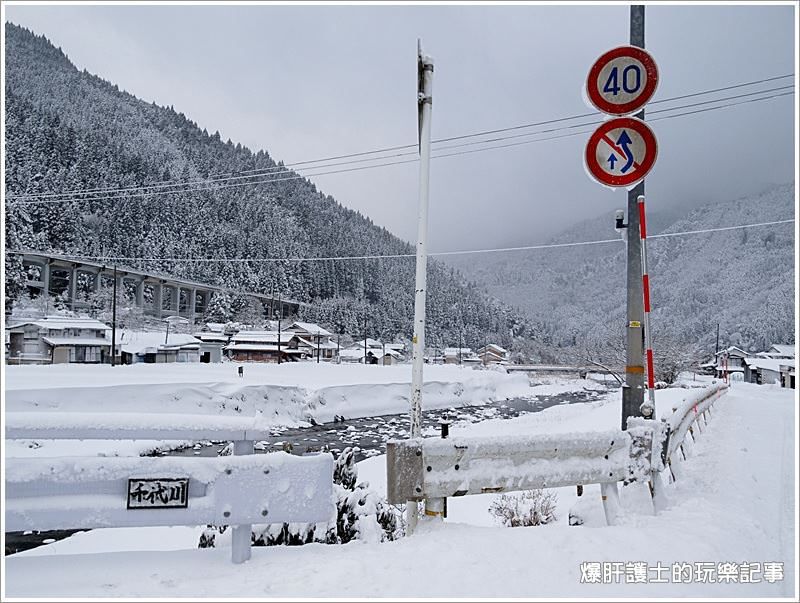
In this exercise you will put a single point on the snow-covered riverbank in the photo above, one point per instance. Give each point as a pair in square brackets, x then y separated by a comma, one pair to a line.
[733, 503]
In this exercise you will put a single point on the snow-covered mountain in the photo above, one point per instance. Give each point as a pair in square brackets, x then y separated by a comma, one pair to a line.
[742, 279]
[68, 130]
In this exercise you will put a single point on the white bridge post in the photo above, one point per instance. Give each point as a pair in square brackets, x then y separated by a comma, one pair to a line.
[241, 534]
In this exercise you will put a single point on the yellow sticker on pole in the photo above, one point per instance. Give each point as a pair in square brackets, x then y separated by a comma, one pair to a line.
[634, 324]
[414, 339]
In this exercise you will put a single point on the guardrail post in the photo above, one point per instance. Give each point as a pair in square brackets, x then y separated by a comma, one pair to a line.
[610, 496]
[436, 508]
[657, 492]
[241, 534]
[658, 456]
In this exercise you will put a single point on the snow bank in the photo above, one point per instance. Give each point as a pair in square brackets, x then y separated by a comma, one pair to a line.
[269, 394]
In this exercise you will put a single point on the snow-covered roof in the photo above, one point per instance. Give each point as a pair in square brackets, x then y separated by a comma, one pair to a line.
[732, 350]
[62, 341]
[323, 344]
[260, 347]
[62, 322]
[137, 342]
[309, 327]
[457, 351]
[351, 353]
[768, 364]
[263, 336]
[212, 337]
[493, 347]
[371, 343]
[783, 349]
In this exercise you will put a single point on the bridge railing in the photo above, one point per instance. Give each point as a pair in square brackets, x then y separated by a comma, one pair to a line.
[99, 492]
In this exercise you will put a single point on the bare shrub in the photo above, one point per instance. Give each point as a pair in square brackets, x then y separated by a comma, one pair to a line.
[526, 508]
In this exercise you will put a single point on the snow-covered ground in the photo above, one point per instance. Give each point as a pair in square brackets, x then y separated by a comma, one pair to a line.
[733, 502]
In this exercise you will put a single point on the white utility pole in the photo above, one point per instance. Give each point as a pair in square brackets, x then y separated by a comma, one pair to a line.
[424, 104]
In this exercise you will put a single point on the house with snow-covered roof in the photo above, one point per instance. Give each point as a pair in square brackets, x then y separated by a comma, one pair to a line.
[782, 351]
[730, 360]
[457, 355]
[265, 346]
[308, 329]
[493, 354]
[158, 348]
[313, 340]
[59, 340]
[763, 371]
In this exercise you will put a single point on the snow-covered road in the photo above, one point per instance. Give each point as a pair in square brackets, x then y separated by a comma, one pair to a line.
[734, 502]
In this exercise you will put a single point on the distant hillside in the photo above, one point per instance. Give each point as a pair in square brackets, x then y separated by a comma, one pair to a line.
[69, 130]
[743, 279]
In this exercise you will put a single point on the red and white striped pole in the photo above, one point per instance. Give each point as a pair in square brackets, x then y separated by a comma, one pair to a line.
[649, 406]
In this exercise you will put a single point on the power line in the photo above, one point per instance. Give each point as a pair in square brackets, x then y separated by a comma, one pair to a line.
[300, 176]
[411, 255]
[354, 169]
[285, 167]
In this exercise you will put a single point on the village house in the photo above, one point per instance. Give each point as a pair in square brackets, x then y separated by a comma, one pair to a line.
[158, 348]
[265, 346]
[776, 365]
[373, 356]
[763, 371]
[400, 348]
[493, 354]
[314, 341]
[214, 336]
[386, 358]
[779, 352]
[730, 360]
[59, 340]
[458, 355]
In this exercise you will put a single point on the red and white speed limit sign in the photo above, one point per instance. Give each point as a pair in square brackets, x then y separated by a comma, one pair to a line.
[622, 80]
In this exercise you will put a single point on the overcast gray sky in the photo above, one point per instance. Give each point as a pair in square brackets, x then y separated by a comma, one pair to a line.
[307, 82]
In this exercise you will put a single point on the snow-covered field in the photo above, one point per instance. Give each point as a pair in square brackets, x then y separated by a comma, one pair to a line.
[733, 502]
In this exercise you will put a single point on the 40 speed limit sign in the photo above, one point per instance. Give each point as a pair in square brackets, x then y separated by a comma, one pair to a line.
[622, 80]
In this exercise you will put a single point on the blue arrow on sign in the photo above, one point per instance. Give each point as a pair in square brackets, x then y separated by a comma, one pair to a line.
[623, 141]
[612, 159]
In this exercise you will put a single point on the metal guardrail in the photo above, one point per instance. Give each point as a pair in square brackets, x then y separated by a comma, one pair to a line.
[434, 469]
[683, 418]
[437, 468]
[92, 492]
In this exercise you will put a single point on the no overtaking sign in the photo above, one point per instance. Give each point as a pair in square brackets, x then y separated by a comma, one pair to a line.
[621, 152]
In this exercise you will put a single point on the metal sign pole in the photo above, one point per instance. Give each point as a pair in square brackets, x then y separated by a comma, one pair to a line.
[633, 391]
[424, 102]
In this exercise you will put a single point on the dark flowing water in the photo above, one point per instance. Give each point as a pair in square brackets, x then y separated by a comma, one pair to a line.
[367, 435]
